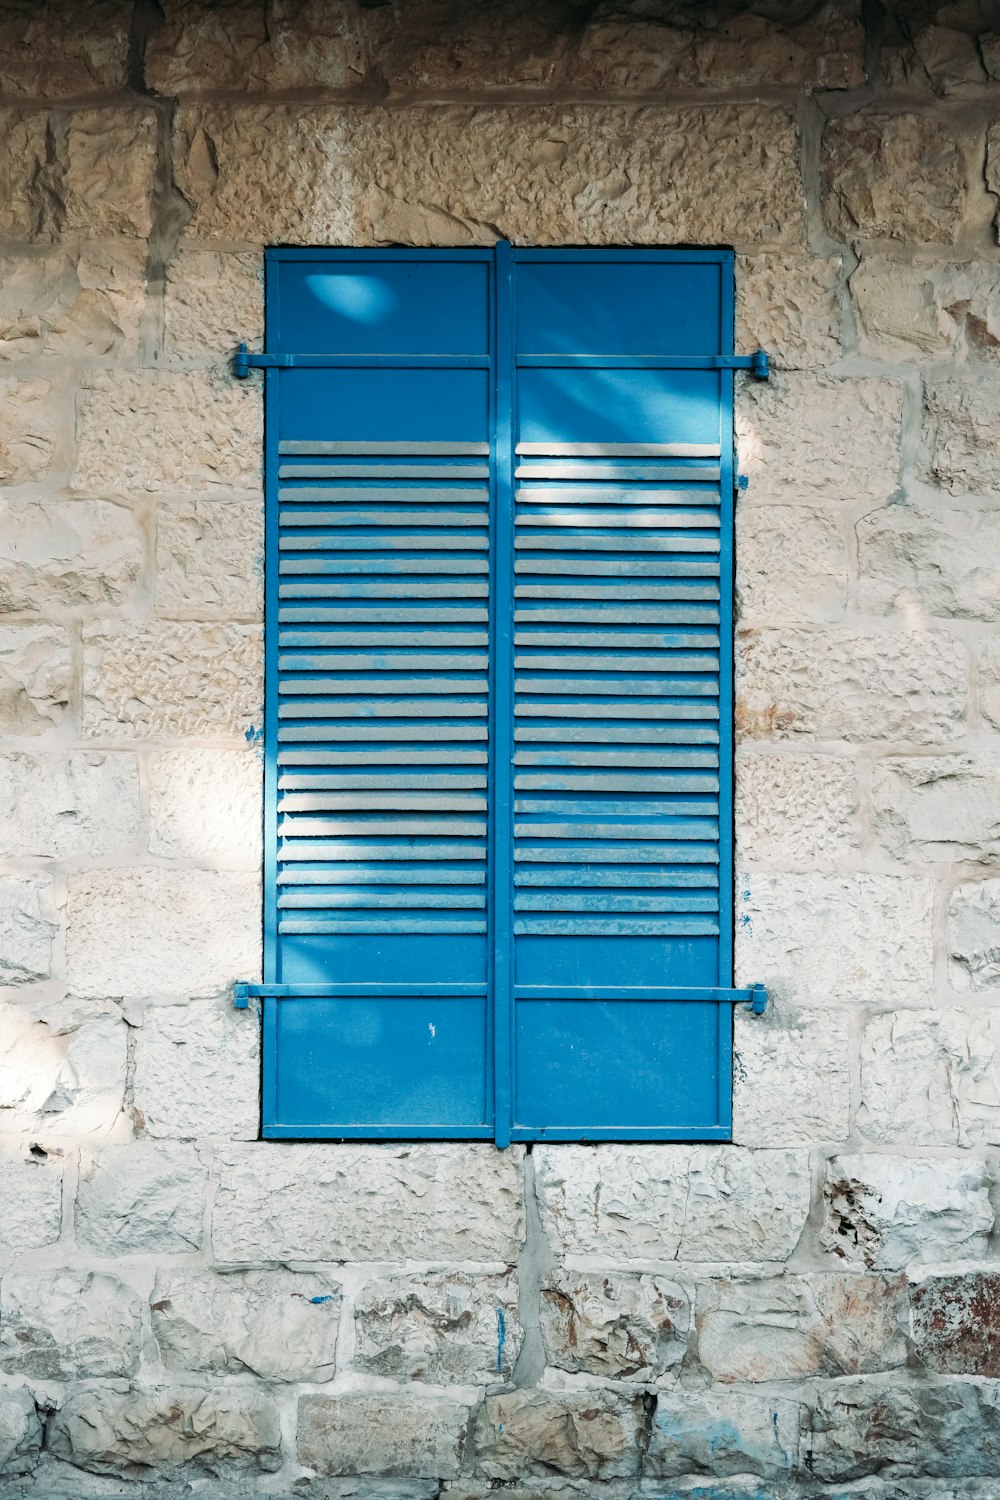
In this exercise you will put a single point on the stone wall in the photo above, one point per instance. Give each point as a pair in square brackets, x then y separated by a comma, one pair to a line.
[184, 1311]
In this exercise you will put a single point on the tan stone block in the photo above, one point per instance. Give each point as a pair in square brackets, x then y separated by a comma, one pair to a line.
[173, 681]
[212, 303]
[27, 928]
[60, 1083]
[85, 304]
[29, 430]
[795, 809]
[946, 808]
[30, 1199]
[209, 559]
[107, 180]
[207, 805]
[140, 1199]
[35, 676]
[435, 45]
[238, 46]
[890, 1212]
[592, 1434]
[791, 564]
[993, 149]
[974, 936]
[791, 1078]
[924, 560]
[68, 554]
[961, 420]
[790, 306]
[382, 1434]
[24, 173]
[197, 1072]
[50, 51]
[67, 1324]
[989, 681]
[85, 803]
[619, 1327]
[441, 1327]
[931, 1078]
[898, 177]
[925, 310]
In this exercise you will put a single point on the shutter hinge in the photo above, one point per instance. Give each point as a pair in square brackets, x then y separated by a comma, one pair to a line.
[757, 1000]
[241, 996]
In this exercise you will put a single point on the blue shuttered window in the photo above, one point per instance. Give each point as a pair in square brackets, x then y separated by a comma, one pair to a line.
[499, 673]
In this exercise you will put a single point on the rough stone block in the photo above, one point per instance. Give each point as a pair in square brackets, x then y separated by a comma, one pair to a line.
[931, 1078]
[170, 1431]
[30, 1200]
[961, 415]
[796, 809]
[141, 1199]
[209, 559]
[947, 808]
[27, 928]
[363, 1202]
[29, 429]
[46, 56]
[443, 1327]
[898, 1431]
[723, 1432]
[791, 1078]
[886, 1212]
[107, 179]
[851, 685]
[829, 939]
[385, 1434]
[240, 48]
[671, 1202]
[196, 431]
[619, 1327]
[206, 805]
[792, 565]
[916, 310]
[790, 306]
[920, 561]
[170, 681]
[974, 936]
[503, 45]
[35, 676]
[67, 554]
[20, 1431]
[277, 1325]
[197, 1072]
[75, 304]
[893, 177]
[212, 303]
[64, 1325]
[56, 1082]
[954, 1328]
[23, 172]
[64, 806]
[592, 1434]
[989, 681]
[945, 59]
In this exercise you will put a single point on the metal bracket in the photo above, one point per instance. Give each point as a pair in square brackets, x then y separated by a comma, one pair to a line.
[758, 1000]
[241, 996]
[758, 364]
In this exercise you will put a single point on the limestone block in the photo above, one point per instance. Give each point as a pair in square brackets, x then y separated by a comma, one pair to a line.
[992, 173]
[789, 305]
[30, 1200]
[28, 430]
[620, 1327]
[69, 554]
[723, 1432]
[62, 1325]
[107, 177]
[212, 303]
[20, 1431]
[851, 685]
[433, 45]
[795, 809]
[48, 53]
[198, 431]
[591, 1434]
[170, 681]
[443, 1327]
[60, 1082]
[916, 310]
[197, 1071]
[278, 1324]
[366, 1202]
[931, 1078]
[974, 936]
[886, 1212]
[898, 1430]
[791, 565]
[160, 932]
[895, 177]
[961, 417]
[23, 171]
[672, 1202]
[989, 681]
[945, 808]
[84, 803]
[35, 675]
[954, 1324]
[238, 46]
[386, 1434]
[448, 174]
[833, 940]
[167, 1431]
[209, 559]
[82, 304]
[791, 1078]
[141, 1199]
[916, 561]
[206, 805]
[27, 928]
[794, 1327]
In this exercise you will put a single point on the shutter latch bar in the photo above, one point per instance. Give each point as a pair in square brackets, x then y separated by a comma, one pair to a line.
[758, 364]
[754, 996]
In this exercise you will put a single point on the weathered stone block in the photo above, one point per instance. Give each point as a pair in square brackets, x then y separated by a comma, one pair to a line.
[954, 1327]
[209, 559]
[791, 1078]
[945, 59]
[197, 1071]
[361, 1202]
[83, 303]
[70, 554]
[46, 55]
[886, 1212]
[29, 430]
[789, 305]
[23, 172]
[443, 1327]
[796, 809]
[141, 1199]
[27, 928]
[503, 45]
[35, 675]
[672, 1202]
[931, 1078]
[792, 564]
[384, 1434]
[989, 681]
[239, 47]
[592, 1434]
[60, 1083]
[63, 1325]
[620, 1327]
[923, 561]
[851, 685]
[212, 303]
[942, 809]
[206, 805]
[961, 417]
[896, 1430]
[107, 179]
[974, 936]
[278, 1325]
[910, 310]
[175, 681]
[30, 1200]
[83, 803]
[723, 1432]
[169, 1431]
[896, 177]
[20, 1431]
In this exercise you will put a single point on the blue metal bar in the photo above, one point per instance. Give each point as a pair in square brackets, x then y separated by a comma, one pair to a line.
[754, 996]
[244, 362]
[758, 364]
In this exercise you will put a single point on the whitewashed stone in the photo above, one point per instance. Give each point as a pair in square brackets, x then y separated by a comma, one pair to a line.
[444, 1327]
[899, 1430]
[791, 565]
[157, 430]
[898, 177]
[851, 685]
[947, 808]
[974, 936]
[790, 306]
[791, 1078]
[887, 1212]
[197, 1072]
[926, 310]
[953, 1323]
[242, 48]
[209, 559]
[83, 303]
[161, 932]
[591, 1434]
[35, 675]
[278, 1325]
[672, 1202]
[107, 178]
[43, 57]
[212, 303]
[362, 1202]
[620, 1327]
[140, 1199]
[64, 1325]
[60, 1083]
[796, 809]
[30, 1200]
[931, 1078]
[961, 419]
[64, 806]
[386, 1434]
[27, 928]
[173, 681]
[206, 805]
[917, 561]
[803, 437]
[69, 554]
[167, 1432]
[23, 172]
[989, 681]
[723, 1432]
[20, 1431]
[29, 430]
[828, 939]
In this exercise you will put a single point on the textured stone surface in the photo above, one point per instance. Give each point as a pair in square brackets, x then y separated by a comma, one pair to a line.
[79, 303]
[583, 1435]
[891, 1211]
[920, 561]
[67, 554]
[723, 1432]
[954, 1327]
[27, 928]
[60, 1082]
[961, 417]
[791, 1078]
[931, 1078]
[20, 1431]
[897, 177]
[620, 1327]
[989, 681]
[107, 179]
[672, 1202]
[29, 430]
[206, 805]
[924, 309]
[898, 1430]
[792, 564]
[974, 936]
[945, 808]
[197, 1071]
[278, 1324]
[30, 1200]
[209, 559]
[389, 1434]
[441, 1328]
[140, 1199]
[795, 809]
[61, 1325]
[159, 931]
[85, 803]
[174, 681]
[212, 303]
[35, 670]
[48, 53]
[790, 306]
[241, 47]
[360, 1202]
[23, 174]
